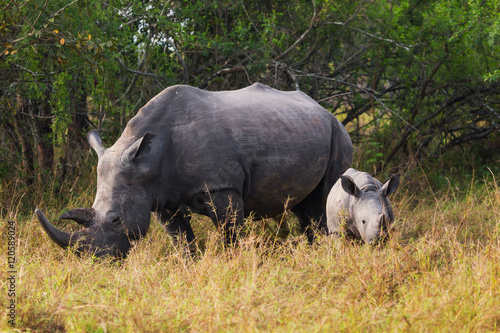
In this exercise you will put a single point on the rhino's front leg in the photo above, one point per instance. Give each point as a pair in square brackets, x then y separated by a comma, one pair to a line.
[177, 224]
[225, 208]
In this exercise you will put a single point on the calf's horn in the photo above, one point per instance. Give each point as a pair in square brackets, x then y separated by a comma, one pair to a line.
[61, 238]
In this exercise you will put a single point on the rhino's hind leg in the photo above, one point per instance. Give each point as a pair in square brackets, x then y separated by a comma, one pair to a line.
[225, 208]
[177, 224]
[311, 215]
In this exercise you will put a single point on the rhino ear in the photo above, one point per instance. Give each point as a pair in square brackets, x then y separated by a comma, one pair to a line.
[94, 139]
[390, 186]
[138, 149]
[349, 186]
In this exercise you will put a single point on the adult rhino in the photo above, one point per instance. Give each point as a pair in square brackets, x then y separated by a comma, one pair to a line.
[221, 154]
[359, 204]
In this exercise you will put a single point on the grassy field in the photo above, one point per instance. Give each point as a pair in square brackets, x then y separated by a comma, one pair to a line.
[440, 272]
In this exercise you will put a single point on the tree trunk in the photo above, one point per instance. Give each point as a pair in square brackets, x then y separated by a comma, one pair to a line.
[44, 135]
[23, 128]
[76, 139]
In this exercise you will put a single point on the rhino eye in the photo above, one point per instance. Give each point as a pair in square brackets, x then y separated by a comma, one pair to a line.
[116, 220]
[364, 222]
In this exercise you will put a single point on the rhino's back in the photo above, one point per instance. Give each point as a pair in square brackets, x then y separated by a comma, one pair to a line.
[255, 106]
[264, 143]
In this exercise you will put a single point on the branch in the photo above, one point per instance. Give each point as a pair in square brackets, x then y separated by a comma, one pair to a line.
[32, 32]
[289, 72]
[183, 63]
[334, 96]
[60, 10]
[35, 74]
[134, 78]
[301, 38]
[132, 82]
[28, 70]
[477, 135]
[446, 106]
[156, 77]
[6, 5]
[369, 91]
[41, 12]
[36, 115]
[492, 111]
[248, 16]
[406, 47]
[234, 69]
[424, 87]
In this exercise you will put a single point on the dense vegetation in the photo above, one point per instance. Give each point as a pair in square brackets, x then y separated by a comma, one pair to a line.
[410, 79]
[416, 82]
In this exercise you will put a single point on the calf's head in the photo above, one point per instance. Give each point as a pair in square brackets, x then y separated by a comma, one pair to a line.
[370, 210]
[123, 202]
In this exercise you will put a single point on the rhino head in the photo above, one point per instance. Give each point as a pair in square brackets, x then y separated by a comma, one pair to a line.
[122, 207]
[370, 209]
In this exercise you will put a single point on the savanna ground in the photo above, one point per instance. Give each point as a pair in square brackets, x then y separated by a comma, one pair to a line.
[440, 271]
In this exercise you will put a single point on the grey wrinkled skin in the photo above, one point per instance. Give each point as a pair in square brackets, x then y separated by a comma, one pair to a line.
[359, 204]
[221, 154]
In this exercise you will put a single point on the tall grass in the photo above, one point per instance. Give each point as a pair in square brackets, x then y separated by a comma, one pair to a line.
[440, 271]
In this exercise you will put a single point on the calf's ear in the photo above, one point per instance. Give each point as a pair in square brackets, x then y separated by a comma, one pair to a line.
[349, 186]
[391, 185]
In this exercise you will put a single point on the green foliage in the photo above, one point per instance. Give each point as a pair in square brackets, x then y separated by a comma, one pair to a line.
[373, 154]
[413, 79]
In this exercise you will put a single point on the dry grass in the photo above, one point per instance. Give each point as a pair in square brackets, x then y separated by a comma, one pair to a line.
[439, 272]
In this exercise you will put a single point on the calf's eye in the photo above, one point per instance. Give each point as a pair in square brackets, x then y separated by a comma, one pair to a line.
[364, 222]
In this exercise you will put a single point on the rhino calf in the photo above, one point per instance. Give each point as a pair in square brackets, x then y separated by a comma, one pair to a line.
[361, 202]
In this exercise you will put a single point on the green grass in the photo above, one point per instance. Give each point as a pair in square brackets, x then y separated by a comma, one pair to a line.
[440, 272]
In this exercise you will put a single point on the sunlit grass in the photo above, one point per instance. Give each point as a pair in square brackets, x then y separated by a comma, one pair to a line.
[440, 271]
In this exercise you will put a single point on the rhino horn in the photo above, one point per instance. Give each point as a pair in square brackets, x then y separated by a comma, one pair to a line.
[61, 238]
[83, 216]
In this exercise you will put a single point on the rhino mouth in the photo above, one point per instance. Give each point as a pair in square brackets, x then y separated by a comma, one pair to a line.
[381, 239]
[84, 240]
